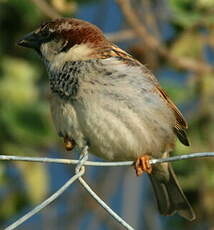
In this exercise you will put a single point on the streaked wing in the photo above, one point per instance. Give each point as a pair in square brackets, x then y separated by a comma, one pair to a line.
[181, 123]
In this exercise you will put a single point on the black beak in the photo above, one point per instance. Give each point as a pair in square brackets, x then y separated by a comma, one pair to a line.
[30, 41]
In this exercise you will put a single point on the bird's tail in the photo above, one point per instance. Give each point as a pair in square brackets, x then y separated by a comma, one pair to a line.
[170, 197]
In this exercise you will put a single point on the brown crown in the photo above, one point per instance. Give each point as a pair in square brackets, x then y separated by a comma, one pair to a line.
[76, 31]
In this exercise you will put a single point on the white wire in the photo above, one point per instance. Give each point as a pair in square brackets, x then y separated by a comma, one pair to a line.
[182, 157]
[80, 165]
[62, 161]
[104, 205]
[93, 163]
[46, 202]
[79, 172]
[80, 169]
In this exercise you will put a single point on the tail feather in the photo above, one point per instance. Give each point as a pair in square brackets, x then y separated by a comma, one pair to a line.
[182, 136]
[170, 197]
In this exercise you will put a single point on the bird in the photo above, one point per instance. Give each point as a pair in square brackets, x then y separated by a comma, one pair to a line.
[103, 98]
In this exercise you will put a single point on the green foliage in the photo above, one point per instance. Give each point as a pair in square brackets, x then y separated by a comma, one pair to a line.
[17, 83]
[189, 44]
[23, 114]
[25, 122]
[31, 13]
[178, 92]
[188, 13]
[36, 182]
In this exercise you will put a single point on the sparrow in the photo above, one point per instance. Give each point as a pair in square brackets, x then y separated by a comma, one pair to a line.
[103, 98]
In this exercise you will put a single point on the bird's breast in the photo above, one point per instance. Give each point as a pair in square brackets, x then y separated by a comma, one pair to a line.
[117, 114]
[65, 81]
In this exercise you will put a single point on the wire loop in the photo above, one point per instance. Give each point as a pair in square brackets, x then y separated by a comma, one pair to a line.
[79, 172]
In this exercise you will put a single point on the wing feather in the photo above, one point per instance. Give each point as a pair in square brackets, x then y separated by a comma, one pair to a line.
[181, 124]
[179, 117]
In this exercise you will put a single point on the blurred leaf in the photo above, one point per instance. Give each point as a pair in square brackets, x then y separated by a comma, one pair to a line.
[208, 86]
[36, 180]
[64, 6]
[179, 93]
[27, 125]
[7, 206]
[205, 4]
[17, 83]
[24, 116]
[31, 13]
[189, 44]
[187, 13]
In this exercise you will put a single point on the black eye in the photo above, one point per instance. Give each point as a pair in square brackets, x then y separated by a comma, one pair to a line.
[45, 35]
[45, 32]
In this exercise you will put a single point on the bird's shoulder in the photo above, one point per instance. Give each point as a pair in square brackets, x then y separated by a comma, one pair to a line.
[119, 60]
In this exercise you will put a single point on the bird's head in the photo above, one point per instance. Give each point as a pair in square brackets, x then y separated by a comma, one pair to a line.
[65, 39]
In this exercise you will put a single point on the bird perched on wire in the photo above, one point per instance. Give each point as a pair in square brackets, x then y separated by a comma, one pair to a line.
[104, 98]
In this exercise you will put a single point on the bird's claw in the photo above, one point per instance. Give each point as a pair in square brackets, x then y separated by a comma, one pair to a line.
[142, 165]
[69, 144]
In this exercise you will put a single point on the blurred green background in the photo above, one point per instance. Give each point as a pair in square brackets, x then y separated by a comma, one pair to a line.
[185, 28]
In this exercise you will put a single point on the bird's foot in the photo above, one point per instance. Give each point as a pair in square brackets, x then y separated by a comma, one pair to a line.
[69, 144]
[142, 165]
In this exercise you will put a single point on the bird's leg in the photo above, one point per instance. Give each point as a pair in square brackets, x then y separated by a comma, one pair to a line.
[69, 143]
[142, 165]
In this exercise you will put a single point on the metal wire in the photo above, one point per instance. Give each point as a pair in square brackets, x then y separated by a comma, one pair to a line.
[79, 171]
[182, 157]
[92, 163]
[46, 202]
[104, 205]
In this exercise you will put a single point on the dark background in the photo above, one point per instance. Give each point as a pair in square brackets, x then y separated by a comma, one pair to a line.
[173, 38]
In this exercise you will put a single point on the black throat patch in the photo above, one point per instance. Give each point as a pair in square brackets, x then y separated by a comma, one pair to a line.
[64, 82]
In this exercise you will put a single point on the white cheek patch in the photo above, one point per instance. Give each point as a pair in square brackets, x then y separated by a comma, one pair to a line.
[75, 53]
[45, 51]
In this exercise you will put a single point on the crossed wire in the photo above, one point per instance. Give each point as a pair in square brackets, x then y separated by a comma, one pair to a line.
[79, 172]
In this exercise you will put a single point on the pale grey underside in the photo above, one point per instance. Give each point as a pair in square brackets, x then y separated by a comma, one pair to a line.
[114, 109]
